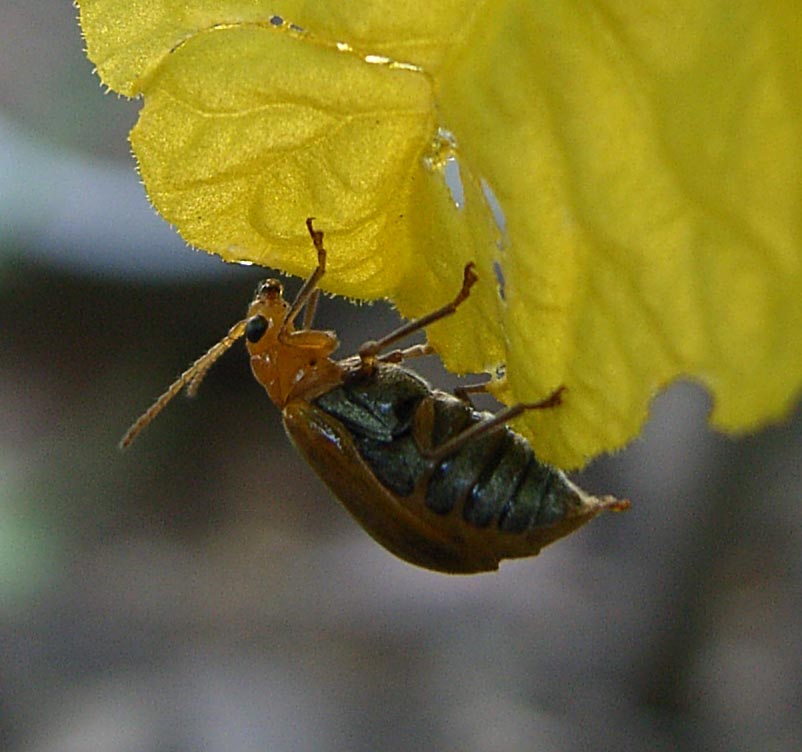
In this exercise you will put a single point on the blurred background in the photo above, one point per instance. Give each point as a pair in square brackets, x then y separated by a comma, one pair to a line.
[203, 591]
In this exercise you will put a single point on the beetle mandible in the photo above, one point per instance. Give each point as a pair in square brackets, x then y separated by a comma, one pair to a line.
[431, 479]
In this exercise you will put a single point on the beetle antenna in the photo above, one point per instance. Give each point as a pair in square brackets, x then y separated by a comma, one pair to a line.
[191, 378]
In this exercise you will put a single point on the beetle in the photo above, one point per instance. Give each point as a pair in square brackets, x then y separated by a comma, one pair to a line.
[430, 478]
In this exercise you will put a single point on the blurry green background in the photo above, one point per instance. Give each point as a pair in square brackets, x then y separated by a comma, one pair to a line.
[204, 592]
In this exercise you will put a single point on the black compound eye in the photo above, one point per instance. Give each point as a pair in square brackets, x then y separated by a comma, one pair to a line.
[255, 328]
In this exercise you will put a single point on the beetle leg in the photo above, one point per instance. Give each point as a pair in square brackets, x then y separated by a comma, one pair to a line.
[311, 307]
[464, 392]
[500, 418]
[323, 343]
[372, 348]
[397, 356]
[308, 289]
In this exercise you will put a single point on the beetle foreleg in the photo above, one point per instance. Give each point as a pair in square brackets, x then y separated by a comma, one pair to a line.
[309, 287]
[311, 307]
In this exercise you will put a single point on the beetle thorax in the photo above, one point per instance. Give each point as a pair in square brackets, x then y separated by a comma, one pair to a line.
[289, 363]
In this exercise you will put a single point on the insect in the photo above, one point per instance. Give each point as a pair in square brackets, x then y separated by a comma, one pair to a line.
[434, 481]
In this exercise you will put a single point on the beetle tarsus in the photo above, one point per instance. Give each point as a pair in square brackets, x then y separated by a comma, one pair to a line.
[317, 241]
[469, 279]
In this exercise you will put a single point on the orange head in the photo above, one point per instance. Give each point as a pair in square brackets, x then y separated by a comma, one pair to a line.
[266, 315]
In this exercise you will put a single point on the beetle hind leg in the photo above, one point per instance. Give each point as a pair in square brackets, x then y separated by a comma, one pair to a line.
[499, 419]
[464, 392]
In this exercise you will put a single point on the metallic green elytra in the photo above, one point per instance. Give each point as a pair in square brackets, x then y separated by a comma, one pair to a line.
[431, 479]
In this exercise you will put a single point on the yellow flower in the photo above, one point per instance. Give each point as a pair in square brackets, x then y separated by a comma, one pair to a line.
[627, 176]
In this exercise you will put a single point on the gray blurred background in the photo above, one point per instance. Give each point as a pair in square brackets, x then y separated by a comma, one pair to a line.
[204, 592]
